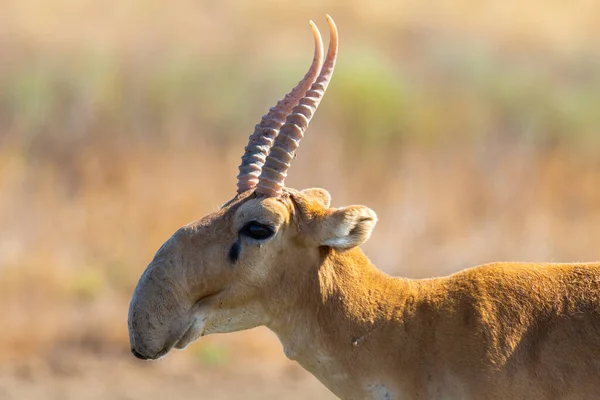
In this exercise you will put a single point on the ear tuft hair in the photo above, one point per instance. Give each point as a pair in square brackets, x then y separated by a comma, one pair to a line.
[348, 227]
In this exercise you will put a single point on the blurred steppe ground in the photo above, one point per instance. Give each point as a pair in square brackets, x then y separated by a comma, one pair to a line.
[472, 128]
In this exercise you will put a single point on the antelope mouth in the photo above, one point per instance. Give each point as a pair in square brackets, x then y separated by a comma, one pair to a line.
[196, 327]
[190, 335]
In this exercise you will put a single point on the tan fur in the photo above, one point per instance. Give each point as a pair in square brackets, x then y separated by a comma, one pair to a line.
[497, 331]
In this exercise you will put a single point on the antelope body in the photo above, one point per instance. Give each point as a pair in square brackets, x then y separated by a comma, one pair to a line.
[285, 259]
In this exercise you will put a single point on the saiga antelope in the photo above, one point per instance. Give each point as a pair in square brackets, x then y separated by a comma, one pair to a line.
[285, 259]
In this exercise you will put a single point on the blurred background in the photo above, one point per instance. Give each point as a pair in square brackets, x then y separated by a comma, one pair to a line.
[472, 128]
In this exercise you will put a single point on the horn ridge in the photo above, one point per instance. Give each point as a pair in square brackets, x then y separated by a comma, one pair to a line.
[261, 140]
[274, 171]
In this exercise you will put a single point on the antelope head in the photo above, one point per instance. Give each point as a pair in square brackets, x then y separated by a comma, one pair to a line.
[239, 267]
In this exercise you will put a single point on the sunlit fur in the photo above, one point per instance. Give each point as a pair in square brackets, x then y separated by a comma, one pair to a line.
[497, 331]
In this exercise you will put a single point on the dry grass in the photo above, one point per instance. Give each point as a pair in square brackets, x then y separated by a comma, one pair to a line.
[471, 129]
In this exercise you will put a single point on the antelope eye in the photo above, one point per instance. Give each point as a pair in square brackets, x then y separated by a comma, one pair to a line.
[257, 231]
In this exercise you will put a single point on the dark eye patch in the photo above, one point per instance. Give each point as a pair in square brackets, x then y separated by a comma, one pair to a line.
[234, 252]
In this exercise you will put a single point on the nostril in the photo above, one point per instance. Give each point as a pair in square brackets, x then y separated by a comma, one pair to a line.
[138, 355]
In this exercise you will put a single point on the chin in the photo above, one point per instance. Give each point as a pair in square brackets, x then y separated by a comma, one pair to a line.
[194, 332]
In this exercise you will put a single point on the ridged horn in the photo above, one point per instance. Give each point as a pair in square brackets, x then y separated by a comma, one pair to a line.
[274, 171]
[265, 132]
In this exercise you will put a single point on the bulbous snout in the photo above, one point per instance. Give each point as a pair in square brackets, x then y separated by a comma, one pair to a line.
[157, 320]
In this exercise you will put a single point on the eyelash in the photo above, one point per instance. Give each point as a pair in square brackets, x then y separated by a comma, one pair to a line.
[257, 231]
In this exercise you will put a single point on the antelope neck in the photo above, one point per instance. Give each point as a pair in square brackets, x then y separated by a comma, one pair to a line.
[334, 325]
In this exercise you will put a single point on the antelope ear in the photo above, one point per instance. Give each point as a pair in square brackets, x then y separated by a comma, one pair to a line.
[347, 227]
[318, 195]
